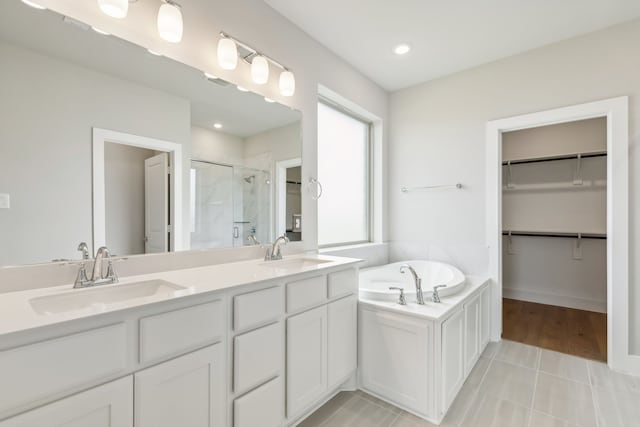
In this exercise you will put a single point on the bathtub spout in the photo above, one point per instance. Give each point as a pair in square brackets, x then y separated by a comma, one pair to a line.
[417, 280]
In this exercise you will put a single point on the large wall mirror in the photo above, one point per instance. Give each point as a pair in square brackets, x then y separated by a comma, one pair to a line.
[104, 142]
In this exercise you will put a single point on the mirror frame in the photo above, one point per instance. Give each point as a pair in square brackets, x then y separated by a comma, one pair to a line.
[102, 136]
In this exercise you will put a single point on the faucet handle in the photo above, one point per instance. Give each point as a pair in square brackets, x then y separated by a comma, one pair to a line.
[401, 298]
[81, 278]
[111, 273]
[438, 287]
[436, 296]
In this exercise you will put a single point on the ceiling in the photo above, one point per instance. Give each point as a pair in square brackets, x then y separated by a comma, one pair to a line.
[241, 113]
[445, 36]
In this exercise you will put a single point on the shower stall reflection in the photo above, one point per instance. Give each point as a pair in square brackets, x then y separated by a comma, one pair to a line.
[230, 205]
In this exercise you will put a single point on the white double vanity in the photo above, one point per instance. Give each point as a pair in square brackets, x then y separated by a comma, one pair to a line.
[197, 347]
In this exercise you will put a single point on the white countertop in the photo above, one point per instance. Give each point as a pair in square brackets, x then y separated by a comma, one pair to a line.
[17, 314]
[431, 310]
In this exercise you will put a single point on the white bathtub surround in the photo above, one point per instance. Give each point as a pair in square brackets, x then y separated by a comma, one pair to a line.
[418, 356]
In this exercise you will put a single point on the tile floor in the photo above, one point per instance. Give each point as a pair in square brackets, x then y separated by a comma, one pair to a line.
[512, 385]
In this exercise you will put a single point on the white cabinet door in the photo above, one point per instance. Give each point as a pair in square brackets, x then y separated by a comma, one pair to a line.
[343, 339]
[109, 405]
[471, 333]
[306, 359]
[485, 317]
[262, 406]
[188, 391]
[452, 358]
[396, 358]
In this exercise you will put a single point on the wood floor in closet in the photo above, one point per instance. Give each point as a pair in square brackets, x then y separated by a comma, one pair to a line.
[565, 330]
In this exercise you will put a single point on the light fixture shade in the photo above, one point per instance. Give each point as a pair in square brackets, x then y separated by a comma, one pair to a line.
[287, 83]
[170, 24]
[260, 70]
[114, 8]
[227, 54]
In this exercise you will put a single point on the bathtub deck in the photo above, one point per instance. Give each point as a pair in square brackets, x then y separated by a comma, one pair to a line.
[565, 330]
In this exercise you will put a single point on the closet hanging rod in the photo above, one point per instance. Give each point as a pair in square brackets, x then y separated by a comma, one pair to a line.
[561, 235]
[430, 187]
[553, 159]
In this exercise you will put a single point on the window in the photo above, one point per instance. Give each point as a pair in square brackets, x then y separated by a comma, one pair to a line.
[343, 170]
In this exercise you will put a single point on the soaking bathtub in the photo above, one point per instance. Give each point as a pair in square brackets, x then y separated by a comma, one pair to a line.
[375, 281]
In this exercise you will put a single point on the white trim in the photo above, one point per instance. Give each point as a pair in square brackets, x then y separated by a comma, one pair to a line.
[616, 112]
[555, 299]
[281, 192]
[100, 137]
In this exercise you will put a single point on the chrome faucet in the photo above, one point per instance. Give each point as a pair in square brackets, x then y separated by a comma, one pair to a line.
[436, 296]
[97, 278]
[84, 248]
[417, 280]
[274, 253]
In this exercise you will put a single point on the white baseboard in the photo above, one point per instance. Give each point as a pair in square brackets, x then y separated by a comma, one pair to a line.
[557, 300]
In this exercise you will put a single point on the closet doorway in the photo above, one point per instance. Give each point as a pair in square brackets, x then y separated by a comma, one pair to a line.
[575, 234]
[554, 228]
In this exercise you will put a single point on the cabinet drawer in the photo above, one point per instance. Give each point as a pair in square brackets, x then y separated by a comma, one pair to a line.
[175, 332]
[343, 283]
[262, 407]
[306, 293]
[257, 308]
[33, 373]
[257, 357]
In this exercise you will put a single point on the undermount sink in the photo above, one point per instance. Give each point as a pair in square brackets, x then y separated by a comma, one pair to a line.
[295, 263]
[100, 298]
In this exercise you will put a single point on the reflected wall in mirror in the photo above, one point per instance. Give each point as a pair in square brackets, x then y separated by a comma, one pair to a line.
[63, 84]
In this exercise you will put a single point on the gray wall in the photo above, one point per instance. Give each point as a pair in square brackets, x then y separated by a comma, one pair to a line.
[438, 133]
[45, 137]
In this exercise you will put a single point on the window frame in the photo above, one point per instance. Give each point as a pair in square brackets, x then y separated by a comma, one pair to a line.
[368, 179]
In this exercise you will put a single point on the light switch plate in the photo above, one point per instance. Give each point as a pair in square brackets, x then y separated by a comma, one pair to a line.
[5, 201]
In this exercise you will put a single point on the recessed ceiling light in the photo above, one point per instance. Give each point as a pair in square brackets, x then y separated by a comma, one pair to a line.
[153, 52]
[210, 76]
[401, 49]
[217, 125]
[33, 4]
[241, 89]
[99, 31]
[269, 100]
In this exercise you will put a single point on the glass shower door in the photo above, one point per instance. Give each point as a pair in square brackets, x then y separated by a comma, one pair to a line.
[211, 205]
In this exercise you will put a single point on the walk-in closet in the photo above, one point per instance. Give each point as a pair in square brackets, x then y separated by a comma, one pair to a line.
[554, 207]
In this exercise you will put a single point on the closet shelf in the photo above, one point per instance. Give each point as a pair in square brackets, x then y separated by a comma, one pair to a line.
[554, 158]
[573, 235]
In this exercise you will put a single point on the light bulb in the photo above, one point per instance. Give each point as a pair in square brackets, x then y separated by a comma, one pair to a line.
[99, 31]
[269, 100]
[153, 52]
[287, 83]
[114, 8]
[242, 89]
[33, 4]
[170, 25]
[227, 54]
[402, 49]
[260, 70]
[217, 125]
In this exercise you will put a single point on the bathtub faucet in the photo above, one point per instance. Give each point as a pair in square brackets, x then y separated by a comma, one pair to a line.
[417, 280]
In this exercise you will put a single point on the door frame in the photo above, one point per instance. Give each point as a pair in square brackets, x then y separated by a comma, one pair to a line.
[281, 193]
[615, 110]
[102, 136]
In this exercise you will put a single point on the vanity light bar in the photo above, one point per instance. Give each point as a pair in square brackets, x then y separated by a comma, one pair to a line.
[259, 63]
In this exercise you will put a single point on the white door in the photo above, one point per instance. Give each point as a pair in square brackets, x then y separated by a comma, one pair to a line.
[396, 358]
[306, 359]
[472, 333]
[156, 203]
[109, 405]
[188, 391]
[452, 358]
[343, 339]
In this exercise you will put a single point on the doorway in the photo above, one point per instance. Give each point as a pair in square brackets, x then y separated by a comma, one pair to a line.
[615, 111]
